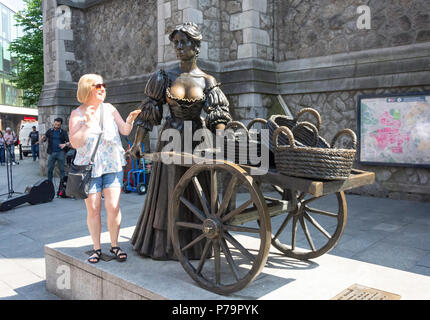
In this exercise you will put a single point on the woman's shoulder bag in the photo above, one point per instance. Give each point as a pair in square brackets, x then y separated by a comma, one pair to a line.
[78, 180]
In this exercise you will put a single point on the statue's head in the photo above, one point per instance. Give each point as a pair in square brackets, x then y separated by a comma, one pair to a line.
[191, 30]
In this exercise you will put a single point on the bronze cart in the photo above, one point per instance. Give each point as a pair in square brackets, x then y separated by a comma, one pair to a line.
[226, 265]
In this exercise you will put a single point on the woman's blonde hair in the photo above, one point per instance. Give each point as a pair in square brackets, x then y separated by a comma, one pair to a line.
[85, 85]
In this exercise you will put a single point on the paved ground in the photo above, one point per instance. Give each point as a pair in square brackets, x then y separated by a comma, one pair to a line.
[383, 232]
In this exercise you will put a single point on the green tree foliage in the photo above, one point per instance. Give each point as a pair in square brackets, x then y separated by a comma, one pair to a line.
[27, 52]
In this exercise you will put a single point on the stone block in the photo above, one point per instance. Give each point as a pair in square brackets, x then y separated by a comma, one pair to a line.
[169, 53]
[63, 34]
[212, 13]
[258, 5]
[160, 52]
[233, 7]
[256, 112]
[52, 265]
[160, 10]
[214, 54]
[204, 53]
[192, 15]
[167, 10]
[247, 50]
[112, 291]
[166, 40]
[250, 100]
[253, 35]
[247, 19]
[85, 286]
[184, 4]
[423, 35]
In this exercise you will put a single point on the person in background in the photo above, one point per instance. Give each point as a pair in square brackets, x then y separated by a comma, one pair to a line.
[33, 137]
[2, 146]
[58, 140]
[107, 173]
[10, 138]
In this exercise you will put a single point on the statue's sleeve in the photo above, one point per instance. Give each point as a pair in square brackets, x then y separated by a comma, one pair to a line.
[216, 108]
[152, 103]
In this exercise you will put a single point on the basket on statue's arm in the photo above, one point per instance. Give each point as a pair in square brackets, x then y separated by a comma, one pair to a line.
[303, 136]
[313, 162]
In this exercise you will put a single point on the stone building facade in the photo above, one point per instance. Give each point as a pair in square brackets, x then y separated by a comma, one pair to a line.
[309, 52]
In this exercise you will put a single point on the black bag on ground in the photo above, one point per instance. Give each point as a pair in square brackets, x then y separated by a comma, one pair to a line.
[79, 177]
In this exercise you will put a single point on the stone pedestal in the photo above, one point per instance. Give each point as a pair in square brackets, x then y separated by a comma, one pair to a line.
[70, 276]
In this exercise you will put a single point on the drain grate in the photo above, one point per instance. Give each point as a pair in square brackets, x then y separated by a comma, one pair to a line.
[359, 292]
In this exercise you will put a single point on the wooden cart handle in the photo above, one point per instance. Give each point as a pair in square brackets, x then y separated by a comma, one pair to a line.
[347, 132]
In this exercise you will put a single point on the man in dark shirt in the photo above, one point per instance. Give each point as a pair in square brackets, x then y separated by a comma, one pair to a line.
[34, 138]
[57, 139]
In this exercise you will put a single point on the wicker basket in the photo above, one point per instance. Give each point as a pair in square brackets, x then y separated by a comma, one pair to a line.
[313, 162]
[303, 137]
[242, 155]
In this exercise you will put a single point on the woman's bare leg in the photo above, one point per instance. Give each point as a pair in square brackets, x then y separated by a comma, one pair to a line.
[111, 199]
[93, 204]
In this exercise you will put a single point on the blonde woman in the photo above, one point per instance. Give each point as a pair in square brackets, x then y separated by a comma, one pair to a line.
[107, 174]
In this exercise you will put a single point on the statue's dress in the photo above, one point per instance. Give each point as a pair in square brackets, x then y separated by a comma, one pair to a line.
[151, 237]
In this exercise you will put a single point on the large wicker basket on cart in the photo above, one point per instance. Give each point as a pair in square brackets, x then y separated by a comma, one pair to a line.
[312, 161]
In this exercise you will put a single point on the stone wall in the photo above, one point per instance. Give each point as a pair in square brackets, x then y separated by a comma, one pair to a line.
[338, 110]
[318, 28]
[118, 38]
[231, 29]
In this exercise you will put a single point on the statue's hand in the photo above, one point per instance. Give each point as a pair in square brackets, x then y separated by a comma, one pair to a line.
[136, 149]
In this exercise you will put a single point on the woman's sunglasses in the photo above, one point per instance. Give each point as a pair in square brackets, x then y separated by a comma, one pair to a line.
[100, 85]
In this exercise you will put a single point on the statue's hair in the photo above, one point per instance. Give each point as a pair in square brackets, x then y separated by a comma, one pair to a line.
[191, 30]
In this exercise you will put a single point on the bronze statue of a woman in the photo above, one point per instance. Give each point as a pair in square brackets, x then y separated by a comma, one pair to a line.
[187, 90]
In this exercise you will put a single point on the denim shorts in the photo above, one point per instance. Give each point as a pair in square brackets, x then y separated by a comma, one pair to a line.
[107, 180]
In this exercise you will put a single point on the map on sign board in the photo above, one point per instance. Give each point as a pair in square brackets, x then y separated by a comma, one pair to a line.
[395, 130]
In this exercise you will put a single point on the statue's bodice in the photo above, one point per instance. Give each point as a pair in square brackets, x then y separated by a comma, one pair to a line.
[185, 96]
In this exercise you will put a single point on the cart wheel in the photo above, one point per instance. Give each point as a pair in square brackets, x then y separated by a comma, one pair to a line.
[224, 264]
[141, 188]
[125, 188]
[313, 228]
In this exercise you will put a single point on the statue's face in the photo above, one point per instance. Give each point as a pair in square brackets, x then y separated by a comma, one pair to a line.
[184, 47]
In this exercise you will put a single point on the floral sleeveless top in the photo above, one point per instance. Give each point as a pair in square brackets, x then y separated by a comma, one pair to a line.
[110, 153]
